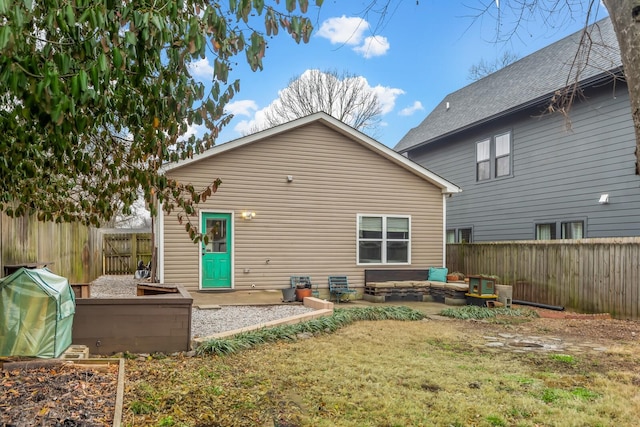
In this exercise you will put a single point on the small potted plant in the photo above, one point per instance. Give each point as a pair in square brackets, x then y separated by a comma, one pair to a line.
[303, 290]
[455, 277]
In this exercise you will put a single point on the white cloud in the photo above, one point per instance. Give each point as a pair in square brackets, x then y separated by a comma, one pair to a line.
[246, 107]
[343, 30]
[408, 111]
[201, 68]
[373, 46]
[246, 127]
[387, 97]
[350, 31]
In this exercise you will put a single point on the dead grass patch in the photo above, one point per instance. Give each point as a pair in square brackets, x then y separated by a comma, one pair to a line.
[387, 373]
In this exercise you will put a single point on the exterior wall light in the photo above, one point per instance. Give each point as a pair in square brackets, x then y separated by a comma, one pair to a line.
[604, 199]
[248, 215]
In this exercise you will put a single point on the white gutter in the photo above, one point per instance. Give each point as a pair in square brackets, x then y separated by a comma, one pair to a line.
[160, 243]
[444, 229]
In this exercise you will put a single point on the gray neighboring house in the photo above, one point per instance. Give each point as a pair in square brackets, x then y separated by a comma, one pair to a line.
[527, 173]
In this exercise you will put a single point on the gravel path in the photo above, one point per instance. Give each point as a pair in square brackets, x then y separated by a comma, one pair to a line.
[203, 322]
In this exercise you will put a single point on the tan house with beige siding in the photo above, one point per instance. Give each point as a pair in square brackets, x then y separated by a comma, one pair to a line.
[312, 197]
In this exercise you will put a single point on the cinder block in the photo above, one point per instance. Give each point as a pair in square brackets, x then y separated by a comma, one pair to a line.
[76, 352]
[374, 298]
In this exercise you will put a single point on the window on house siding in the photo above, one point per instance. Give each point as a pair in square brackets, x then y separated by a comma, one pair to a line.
[464, 235]
[567, 230]
[546, 231]
[459, 235]
[503, 155]
[383, 239]
[493, 157]
[572, 230]
[451, 236]
[483, 160]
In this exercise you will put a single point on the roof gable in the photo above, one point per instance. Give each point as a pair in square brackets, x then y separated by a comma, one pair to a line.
[338, 126]
[526, 82]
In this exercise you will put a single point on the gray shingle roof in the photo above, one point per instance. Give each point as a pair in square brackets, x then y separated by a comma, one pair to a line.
[525, 82]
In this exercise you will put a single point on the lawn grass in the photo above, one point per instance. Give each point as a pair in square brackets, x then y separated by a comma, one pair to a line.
[385, 373]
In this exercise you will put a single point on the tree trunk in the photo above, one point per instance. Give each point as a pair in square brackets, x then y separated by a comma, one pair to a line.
[625, 16]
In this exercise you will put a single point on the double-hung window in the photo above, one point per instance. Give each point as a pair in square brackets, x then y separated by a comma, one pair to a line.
[503, 155]
[483, 160]
[493, 157]
[459, 235]
[384, 239]
[567, 230]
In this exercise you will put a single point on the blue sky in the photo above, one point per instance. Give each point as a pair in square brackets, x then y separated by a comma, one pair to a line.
[422, 51]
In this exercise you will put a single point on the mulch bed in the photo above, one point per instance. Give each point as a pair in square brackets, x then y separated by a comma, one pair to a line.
[60, 394]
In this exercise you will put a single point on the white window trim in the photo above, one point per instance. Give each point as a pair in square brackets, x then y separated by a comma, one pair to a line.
[384, 240]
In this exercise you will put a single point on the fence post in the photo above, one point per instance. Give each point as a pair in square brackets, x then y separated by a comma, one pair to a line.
[133, 238]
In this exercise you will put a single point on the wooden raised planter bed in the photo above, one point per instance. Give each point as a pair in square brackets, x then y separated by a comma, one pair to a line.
[150, 323]
[81, 290]
[40, 374]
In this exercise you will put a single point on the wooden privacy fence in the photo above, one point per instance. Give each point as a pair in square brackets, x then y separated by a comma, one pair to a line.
[122, 251]
[587, 275]
[72, 250]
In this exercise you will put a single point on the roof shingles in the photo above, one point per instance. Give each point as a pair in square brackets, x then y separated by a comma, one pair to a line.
[531, 79]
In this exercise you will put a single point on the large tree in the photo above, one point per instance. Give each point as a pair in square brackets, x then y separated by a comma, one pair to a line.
[486, 67]
[345, 96]
[95, 96]
[625, 16]
[511, 16]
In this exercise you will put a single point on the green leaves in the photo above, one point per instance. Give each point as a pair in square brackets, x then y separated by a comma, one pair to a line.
[5, 35]
[98, 94]
[476, 312]
[339, 319]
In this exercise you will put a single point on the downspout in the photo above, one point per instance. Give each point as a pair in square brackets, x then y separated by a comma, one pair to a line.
[444, 229]
[160, 243]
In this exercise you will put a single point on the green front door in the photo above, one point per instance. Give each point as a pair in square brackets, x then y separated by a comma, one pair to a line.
[216, 254]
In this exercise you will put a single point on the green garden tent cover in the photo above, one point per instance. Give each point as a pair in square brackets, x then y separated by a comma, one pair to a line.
[37, 314]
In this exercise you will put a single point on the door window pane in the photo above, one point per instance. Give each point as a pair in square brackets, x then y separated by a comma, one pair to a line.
[217, 233]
